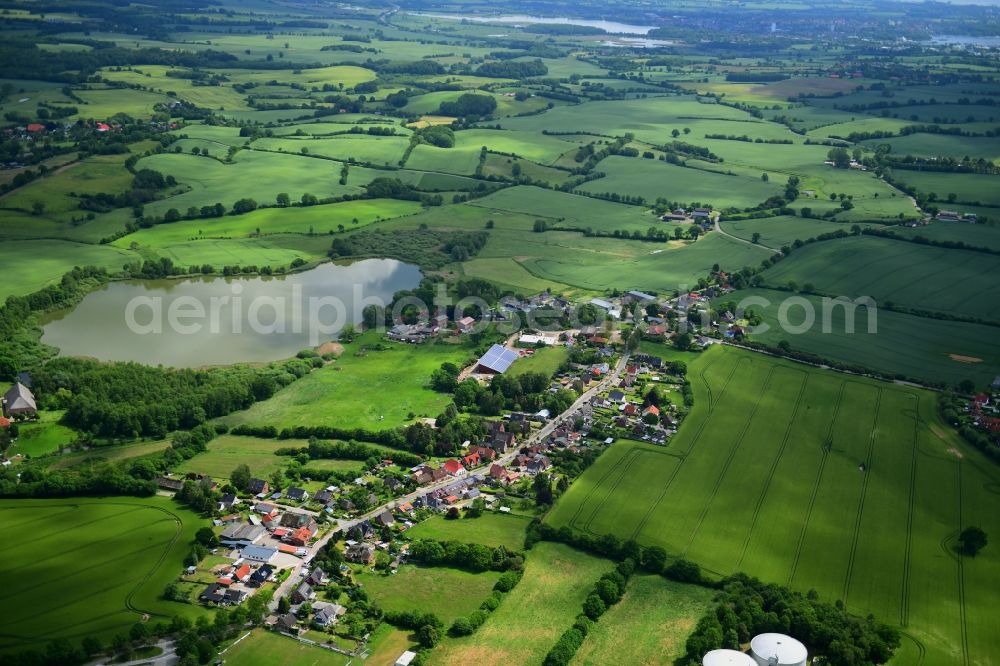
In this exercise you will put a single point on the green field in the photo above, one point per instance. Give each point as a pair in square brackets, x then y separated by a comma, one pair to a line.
[911, 275]
[90, 567]
[98, 454]
[265, 648]
[44, 436]
[226, 452]
[967, 187]
[650, 624]
[448, 593]
[652, 179]
[546, 360]
[929, 350]
[766, 477]
[530, 619]
[489, 529]
[776, 232]
[317, 219]
[39, 263]
[375, 389]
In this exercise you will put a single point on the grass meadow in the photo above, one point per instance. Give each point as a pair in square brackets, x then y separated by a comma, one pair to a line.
[226, 452]
[650, 624]
[489, 529]
[44, 436]
[362, 389]
[266, 648]
[819, 480]
[90, 567]
[446, 592]
[531, 618]
[652, 179]
[39, 263]
[930, 350]
[967, 187]
[916, 276]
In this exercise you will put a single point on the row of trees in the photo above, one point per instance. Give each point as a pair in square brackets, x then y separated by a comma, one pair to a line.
[607, 591]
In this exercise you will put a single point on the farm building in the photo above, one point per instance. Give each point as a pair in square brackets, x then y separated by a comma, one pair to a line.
[778, 650]
[258, 553]
[496, 361]
[19, 401]
[727, 658]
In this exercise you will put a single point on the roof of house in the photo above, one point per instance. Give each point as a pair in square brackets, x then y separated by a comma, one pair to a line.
[19, 397]
[452, 466]
[258, 553]
[498, 358]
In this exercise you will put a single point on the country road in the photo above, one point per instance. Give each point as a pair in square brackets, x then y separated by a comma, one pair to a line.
[345, 525]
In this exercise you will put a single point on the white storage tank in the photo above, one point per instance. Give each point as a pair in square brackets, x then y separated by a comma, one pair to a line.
[727, 658]
[778, 650]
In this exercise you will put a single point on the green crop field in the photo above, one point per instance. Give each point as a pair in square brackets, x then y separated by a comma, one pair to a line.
[446, 592]
[90, 567]
[38, 263]
[929, 350]
[571, 210]
[976, 235]
[916, 276]
[361, 147]
[652, 179]
[259, 175]
[362, 389]
[542, 606]
[489, 529]
[776, 232]
[819, 480]
[296, 220]
[967, 187]
[592, 263]
[936, 145]
[650, 624]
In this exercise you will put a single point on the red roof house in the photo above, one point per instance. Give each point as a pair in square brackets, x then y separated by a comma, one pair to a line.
[453, 467]
[35, 128]
[103, 127]
[242, 573]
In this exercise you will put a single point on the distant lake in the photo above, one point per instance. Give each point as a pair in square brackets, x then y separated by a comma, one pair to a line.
[223, 320]
[608, 26]
[967, 40]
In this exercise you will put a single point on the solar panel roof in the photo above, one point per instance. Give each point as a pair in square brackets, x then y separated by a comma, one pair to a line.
[498, 358]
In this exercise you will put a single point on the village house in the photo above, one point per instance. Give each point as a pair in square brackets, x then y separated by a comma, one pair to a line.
[258, 487]
[303, 593]
[465, 324]
[19, 402]
[297, 494]
[454, 468]
[360, 553]
[327, 614]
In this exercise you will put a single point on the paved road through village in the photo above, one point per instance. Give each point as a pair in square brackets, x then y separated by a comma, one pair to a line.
[539, 435]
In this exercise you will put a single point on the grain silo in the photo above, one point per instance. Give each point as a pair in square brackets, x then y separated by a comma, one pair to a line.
[778, 650]
[727, 658]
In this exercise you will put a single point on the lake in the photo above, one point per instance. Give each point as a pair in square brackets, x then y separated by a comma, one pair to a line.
[199, 321]
[608, 26]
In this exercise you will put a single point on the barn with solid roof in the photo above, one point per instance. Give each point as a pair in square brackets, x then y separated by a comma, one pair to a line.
[496, 360]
